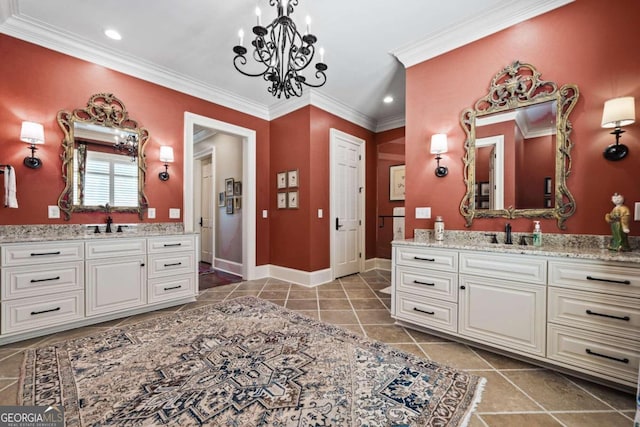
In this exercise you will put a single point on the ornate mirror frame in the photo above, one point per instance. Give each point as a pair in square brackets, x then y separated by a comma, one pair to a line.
[103, 109]
[519, 85]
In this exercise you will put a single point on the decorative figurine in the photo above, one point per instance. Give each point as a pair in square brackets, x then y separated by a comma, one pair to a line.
[619, 220]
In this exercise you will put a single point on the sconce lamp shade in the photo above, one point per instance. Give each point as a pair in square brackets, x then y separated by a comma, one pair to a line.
[439, 143]
[166, 154]
[619, 112]
[32, 133]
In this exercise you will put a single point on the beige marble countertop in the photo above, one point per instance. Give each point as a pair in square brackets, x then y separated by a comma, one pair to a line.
[548, 251]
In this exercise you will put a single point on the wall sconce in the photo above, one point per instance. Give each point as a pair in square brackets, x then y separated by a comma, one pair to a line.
[166, 156]
[439, 146]
[32, 133]
[618, 112]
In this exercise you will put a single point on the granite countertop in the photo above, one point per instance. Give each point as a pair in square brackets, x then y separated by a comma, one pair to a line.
[51, 233]
[587, 253]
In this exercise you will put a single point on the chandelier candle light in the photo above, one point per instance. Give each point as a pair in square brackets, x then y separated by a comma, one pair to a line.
[283, 52]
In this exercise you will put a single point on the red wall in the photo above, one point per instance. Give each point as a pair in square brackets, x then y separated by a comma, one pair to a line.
[35, 83]
[588, 43]
[390, 152]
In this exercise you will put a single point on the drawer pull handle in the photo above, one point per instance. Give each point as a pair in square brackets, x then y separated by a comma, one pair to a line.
[44, 280]
[593, 353]
[33, 313]
[45, 253]
[173, 265]
[173, 287]
[417, 282]
[425, 312]
[622, 282]
[593, 313]
[168, 245]
[424, 259]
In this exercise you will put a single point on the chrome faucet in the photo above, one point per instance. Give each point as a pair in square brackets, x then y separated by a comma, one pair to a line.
[507, 234]
[109, 222]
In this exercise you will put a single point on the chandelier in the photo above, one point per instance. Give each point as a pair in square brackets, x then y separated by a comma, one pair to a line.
[128, 145]
[282, 52]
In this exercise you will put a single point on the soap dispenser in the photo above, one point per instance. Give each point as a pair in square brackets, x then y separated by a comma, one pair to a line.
[537, 234]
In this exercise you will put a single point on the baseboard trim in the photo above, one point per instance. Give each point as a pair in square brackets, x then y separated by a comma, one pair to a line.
[304, 278]
[228, 266]
[377, 264]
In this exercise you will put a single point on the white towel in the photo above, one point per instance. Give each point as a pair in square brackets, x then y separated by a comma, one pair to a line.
[398, 224]
[10, 199]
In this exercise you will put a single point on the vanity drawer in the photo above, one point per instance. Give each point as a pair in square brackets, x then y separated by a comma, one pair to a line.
[165, 289]
[41, 253]
[41, 312]
[163, 265]
[31, 281]
[429, 283]
[426, 312]
[115, 248]
[520, 268]
[424, 257]
[171, 244]
[595, 312]
[602, 354]
[596, 276]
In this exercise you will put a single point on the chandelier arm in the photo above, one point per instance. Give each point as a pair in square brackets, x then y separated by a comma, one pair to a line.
[243, 61]
[320, 75]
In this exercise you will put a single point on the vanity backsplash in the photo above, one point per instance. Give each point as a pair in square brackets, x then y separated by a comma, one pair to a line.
[24, 233]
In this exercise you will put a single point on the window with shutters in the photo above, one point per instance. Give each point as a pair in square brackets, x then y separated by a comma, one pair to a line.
[108, 178]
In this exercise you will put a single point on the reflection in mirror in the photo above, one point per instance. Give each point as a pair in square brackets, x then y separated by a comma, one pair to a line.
[518, 149]
[103, 159]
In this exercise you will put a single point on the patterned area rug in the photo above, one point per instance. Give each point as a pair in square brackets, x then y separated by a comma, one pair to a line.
[244, 362]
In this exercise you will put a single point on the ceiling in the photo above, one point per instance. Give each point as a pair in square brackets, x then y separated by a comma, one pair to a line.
[187, 45]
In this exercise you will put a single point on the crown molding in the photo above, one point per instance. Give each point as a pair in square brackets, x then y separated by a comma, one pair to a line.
[8, 9]
[59, 41]
[390, 123]
[496, 19]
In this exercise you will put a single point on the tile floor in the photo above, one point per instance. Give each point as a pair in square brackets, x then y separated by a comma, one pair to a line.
[517, 393]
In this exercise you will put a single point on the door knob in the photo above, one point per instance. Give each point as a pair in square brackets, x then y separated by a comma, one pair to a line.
[338, 225]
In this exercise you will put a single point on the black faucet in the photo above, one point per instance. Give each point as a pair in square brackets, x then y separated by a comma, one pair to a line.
[523, 239]
[507, 234]
[109, 222]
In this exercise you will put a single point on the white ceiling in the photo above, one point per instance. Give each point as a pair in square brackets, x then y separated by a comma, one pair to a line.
[187, 45]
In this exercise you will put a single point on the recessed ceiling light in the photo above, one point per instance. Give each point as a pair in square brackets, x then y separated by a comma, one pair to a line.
[388, 99]
[112, 34]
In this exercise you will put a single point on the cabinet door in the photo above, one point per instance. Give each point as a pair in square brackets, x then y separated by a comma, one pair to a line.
[508, 314]
[115, 284]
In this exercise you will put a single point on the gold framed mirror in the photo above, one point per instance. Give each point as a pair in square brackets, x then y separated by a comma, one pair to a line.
[103, 160]
[517, 149]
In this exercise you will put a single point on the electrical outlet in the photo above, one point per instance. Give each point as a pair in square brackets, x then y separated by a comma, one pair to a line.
[151, 213]
[636, 216]
[320, 213]
[423, 213]
[174, 213]
[53, 211]
[265, 213]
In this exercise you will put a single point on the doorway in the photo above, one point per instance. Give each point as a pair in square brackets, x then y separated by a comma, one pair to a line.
[248, 221]
[347, 203]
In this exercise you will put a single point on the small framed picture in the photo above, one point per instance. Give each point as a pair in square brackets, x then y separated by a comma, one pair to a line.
[221, 199]
[282, 200]
[282, 180]
[237, 188]
[228, 186]
[484, 188]
[292, 178]
[292, 200]
[237, 204]
[229, 205]
[396, 182]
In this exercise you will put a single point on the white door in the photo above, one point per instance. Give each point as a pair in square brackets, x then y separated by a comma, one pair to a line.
[347, 203]
[206, 212]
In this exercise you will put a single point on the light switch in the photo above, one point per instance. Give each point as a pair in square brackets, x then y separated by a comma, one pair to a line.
[423, 213]
[53, 211]
[320, 213]
[636, 216]
[265, 213]
[174, 213]
[151, 213]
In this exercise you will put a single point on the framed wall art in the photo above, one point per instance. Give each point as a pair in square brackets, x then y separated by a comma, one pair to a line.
[229, 205]
[292, 200]
[228, 187]
[282, 200]
[237, 204]
[292, 178]
[282, 180]
[221, 199]
[396, 182]
[237, 188]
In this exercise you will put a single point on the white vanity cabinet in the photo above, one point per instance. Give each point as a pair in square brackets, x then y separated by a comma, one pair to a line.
[42, 285]
[594, 317]
[51, 286]
[581, 315]
[172, 267]
[116, 275]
